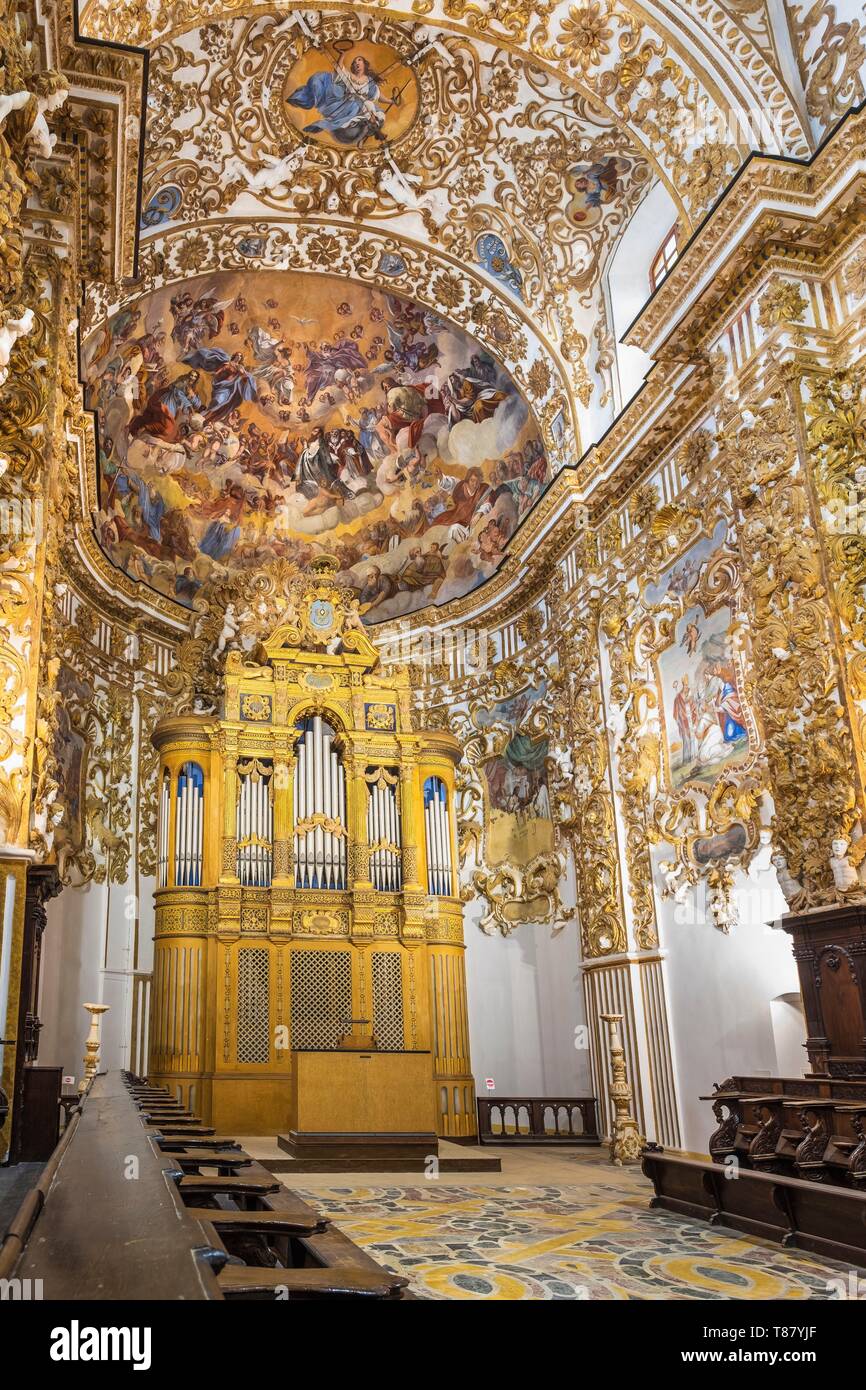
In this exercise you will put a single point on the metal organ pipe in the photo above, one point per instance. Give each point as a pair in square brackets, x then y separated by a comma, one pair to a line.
[320, 797]
[195, 839]
[437, 843]
[189, 825]
[383, 836]
[300, 805]
[341, 806]
[445, 820]
[255, 827]
[164, 814]
[328, 857]
[375, 836]
[437, 829]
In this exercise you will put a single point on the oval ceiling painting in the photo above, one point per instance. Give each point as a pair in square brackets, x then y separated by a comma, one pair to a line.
[246, 417]
[351, 93]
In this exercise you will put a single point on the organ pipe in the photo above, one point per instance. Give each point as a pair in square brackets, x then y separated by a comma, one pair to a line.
[164, 817]
[438, 837]
[255, 824]
[320, 809]
[189, 824]
[383, 831]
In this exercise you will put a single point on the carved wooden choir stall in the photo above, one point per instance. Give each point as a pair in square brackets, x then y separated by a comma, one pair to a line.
[202, 1221]
[309, 962]
[796, 1144]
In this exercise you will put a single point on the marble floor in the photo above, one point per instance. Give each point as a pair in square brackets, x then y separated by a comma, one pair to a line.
[554, 1224]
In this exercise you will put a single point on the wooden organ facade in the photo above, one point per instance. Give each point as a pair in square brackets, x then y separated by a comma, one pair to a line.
[309, 960]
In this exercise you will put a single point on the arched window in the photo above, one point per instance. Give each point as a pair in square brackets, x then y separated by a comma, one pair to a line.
[438, 838]
[320, 808]
[664, 258]
[189, 826]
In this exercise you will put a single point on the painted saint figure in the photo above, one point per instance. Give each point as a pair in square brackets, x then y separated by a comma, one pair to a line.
[231, 383]
[347, 101]
[730, 710]
[684, 714]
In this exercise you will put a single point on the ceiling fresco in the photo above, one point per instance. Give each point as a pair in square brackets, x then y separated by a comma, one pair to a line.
[252, 416]
[482, 162]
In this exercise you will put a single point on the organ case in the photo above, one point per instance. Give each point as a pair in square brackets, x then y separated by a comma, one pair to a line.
[306, 897]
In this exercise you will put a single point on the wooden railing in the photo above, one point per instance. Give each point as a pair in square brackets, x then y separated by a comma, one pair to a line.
[537, 1120]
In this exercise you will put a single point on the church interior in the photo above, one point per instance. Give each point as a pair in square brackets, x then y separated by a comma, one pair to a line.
[433, 873]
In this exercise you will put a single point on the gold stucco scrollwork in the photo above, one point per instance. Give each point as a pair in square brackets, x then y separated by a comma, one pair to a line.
[809, 749]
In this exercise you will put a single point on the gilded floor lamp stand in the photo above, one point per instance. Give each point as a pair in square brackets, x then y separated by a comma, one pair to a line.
[626, 1140]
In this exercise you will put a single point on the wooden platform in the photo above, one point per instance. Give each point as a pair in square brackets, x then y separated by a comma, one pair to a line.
[452, 1158]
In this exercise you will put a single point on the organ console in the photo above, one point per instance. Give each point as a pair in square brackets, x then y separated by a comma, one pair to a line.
[306, 901]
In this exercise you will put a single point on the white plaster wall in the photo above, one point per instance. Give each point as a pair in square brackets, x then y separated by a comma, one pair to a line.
[722, 989]
[86, 958]
[629, 282]
[72, 950]
[525, 1002]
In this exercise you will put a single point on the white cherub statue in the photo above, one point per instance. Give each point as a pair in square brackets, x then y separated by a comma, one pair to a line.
[51, 92]
[12, 101]
[10, 332]
[790, 886]
[276, 178]
[229, 629]
[401, 187]
[616, 721]
[845, 876]
[672, 873]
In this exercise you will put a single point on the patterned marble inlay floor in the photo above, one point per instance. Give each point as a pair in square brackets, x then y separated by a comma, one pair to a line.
[593, 1241]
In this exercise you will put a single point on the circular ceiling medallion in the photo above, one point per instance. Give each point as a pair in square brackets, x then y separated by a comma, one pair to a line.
[351, 94]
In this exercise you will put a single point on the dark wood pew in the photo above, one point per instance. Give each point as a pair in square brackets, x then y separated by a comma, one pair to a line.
[169, 1143]
[822, 1218]
[99, 1235]
[266, 1241]
[88, 1232]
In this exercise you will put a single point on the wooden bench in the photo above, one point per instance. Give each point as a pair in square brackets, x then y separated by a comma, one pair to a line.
[824, 1219]
[89, 1233]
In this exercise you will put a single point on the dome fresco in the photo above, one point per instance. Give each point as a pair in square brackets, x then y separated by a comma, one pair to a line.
[250, 416]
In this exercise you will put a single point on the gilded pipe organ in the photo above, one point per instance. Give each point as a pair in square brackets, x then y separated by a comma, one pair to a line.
[308, 973]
